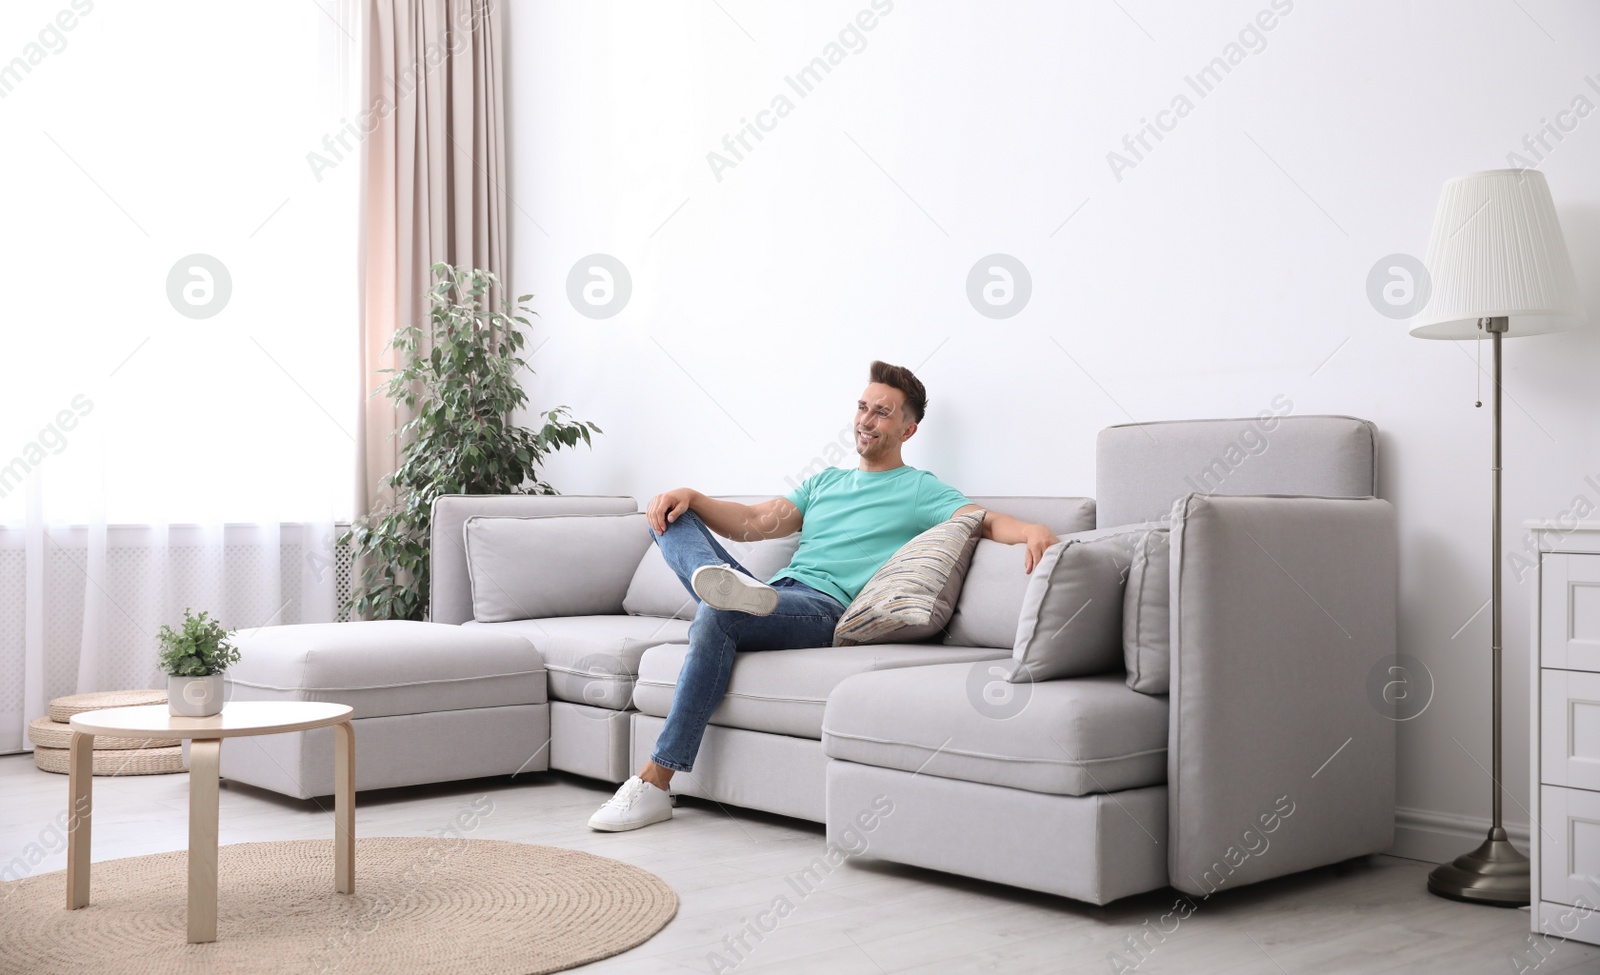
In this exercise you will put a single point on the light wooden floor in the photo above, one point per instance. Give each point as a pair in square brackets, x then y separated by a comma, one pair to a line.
[873, 917]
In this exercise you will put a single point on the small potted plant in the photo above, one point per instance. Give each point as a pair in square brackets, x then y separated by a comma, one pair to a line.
[194, 660]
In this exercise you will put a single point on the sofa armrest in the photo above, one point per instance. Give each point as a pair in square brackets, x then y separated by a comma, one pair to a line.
[1278, 759]
[450, 592]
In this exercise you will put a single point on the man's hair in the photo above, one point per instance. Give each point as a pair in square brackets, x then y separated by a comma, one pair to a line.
[904, 380]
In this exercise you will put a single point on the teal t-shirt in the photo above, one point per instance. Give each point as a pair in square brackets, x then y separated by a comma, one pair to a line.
[854, 520]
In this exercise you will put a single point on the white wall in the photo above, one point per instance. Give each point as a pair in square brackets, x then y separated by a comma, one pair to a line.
[1222, 270]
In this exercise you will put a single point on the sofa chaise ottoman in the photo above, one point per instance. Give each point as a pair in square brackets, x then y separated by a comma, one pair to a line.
[433, 703]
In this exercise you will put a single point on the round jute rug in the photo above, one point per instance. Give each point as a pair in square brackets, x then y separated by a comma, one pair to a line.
[426, 905]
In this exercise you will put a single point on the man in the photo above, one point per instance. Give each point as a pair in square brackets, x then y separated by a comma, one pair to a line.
[850, 523]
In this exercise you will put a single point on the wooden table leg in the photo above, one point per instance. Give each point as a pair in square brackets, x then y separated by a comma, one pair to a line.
[205, 759]
[80, 793]
[344, 808]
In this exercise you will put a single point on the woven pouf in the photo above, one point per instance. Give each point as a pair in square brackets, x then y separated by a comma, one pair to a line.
[52, 737]
[45, 733]
[115, 761]
[63, 708]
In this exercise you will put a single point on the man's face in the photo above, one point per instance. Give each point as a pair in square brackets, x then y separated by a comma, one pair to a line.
[881, 421]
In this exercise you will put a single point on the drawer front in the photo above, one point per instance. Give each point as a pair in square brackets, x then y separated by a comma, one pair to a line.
[1569, 846]
[1569, 728]
[1569, 611]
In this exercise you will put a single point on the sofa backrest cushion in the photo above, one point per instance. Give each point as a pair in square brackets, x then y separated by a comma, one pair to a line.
[913, 595]
[1062, 515]
[449, 589]
[1071, 619]
[655, 589]
[991, 597]
[1142, 468]
[1147, 614]
[560, 565]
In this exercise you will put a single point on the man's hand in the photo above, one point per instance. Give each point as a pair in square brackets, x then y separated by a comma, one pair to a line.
[667, 507]
[1038, 538]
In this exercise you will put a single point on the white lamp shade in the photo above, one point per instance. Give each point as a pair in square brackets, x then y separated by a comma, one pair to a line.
[1496, 251]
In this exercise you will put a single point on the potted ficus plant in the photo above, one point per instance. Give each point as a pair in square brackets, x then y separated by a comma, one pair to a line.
[459, 379]
[194, 659]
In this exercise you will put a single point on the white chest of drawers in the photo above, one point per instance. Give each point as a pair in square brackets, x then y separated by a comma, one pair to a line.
[1565, 833]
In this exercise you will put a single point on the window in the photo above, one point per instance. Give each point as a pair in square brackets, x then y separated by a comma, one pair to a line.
[179, 324]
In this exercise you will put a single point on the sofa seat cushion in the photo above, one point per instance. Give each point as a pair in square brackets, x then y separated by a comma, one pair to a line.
[388, 667]
[593, 659]
[783, 691]
[1070, 737]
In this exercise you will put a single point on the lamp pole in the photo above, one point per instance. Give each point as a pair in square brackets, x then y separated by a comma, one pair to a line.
[1494, 873]
[1496, 327]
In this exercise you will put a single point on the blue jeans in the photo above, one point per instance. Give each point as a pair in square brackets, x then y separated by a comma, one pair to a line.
[804, 618]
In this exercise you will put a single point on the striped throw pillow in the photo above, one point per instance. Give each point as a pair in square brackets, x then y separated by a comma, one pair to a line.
[913, 595]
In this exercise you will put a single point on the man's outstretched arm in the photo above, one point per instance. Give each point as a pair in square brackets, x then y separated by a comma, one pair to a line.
[730, 519]
[1015, 531]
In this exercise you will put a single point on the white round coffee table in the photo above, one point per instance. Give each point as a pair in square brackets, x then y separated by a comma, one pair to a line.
[205, 736]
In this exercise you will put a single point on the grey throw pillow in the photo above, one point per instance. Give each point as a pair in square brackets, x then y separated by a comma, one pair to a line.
[1071, 622]
[556, 565]
[912, 596]
[1147, 615]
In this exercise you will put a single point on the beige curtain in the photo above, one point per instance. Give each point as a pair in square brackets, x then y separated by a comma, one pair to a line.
[433, 185]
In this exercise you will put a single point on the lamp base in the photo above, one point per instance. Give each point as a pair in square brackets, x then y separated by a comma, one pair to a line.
[1494, 874]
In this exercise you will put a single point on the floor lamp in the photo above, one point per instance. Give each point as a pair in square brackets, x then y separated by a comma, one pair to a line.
[1498, 268]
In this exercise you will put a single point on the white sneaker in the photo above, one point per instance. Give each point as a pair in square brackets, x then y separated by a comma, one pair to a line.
[725, 588]
[636, 804]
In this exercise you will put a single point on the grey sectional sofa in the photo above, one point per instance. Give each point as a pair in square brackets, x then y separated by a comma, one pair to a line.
[1252, 750]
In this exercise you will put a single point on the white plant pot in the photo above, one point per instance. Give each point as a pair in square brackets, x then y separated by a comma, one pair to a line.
[195, 697]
